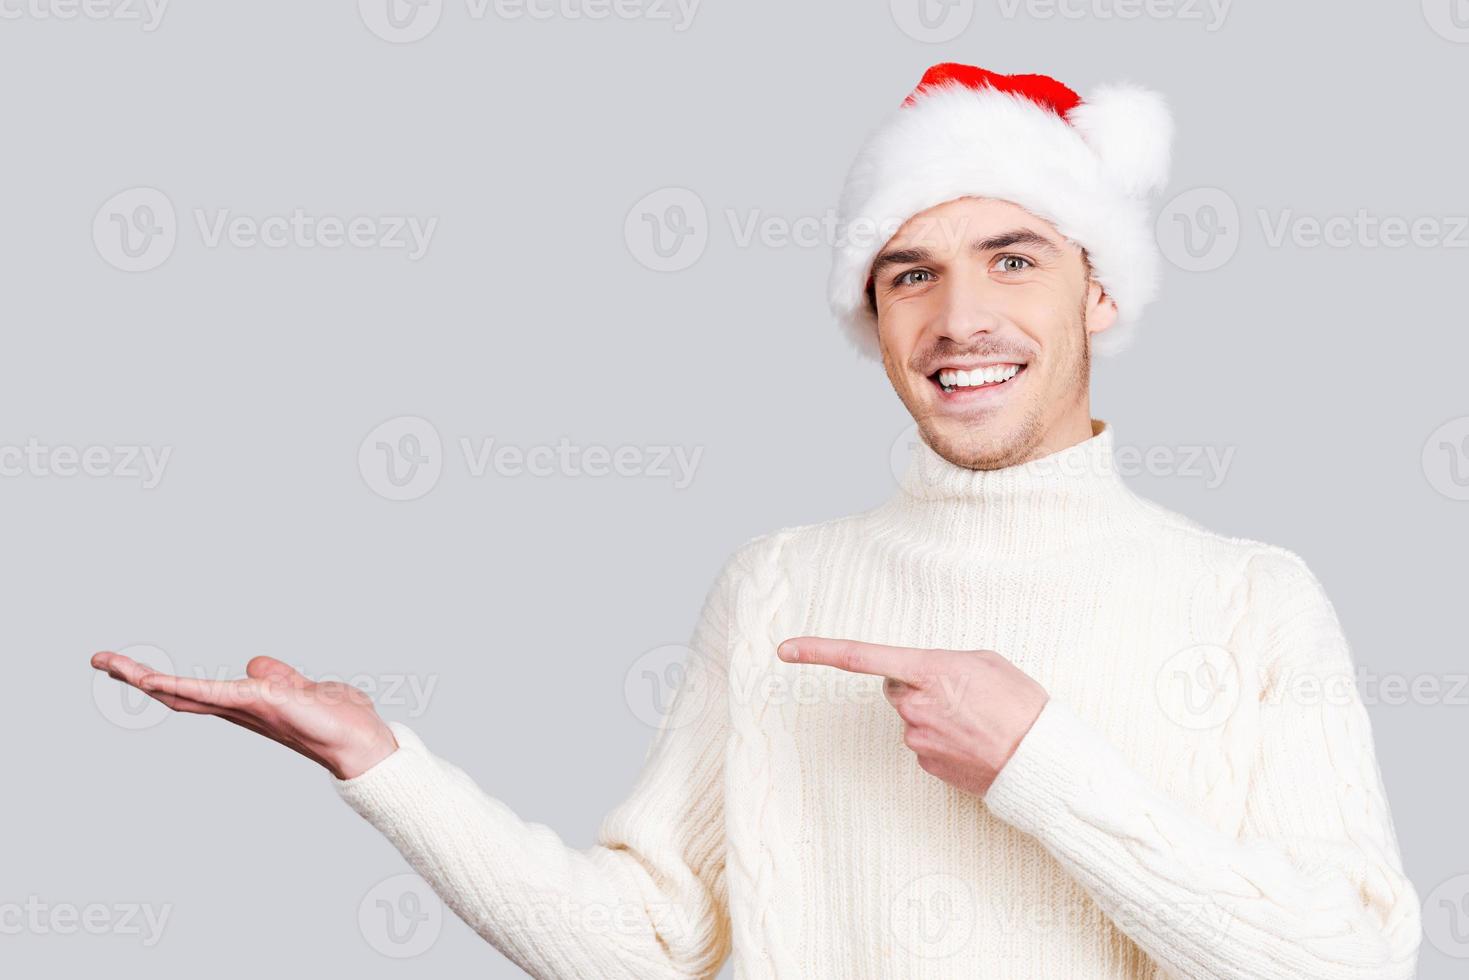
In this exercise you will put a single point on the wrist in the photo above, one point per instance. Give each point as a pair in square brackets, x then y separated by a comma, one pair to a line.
[1023, 729]
[357, 759]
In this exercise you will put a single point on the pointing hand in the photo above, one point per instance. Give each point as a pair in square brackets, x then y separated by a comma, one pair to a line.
[964, 711]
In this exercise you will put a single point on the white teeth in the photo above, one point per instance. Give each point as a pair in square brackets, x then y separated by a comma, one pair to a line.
[979, 376]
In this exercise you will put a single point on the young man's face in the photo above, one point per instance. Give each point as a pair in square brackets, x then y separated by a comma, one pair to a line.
[982, 282]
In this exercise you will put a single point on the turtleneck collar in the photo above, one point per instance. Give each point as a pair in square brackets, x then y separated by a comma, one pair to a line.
[1067, 497]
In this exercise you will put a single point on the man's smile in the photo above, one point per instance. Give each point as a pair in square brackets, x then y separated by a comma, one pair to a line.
[961, 384]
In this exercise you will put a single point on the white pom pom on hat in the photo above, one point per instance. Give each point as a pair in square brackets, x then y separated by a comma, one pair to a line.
[1131, 130]
[1085, 165]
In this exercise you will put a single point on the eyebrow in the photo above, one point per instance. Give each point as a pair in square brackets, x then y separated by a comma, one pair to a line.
[1004, 239]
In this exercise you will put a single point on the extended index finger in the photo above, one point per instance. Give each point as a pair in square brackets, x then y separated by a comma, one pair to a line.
[899, 663]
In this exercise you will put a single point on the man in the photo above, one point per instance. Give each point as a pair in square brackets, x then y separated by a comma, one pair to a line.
[1016, 721]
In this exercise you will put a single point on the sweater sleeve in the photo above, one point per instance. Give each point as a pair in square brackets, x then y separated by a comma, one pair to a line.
[646, 900]
[1312, 886]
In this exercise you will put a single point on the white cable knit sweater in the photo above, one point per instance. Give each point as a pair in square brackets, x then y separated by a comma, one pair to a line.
[1199, 798]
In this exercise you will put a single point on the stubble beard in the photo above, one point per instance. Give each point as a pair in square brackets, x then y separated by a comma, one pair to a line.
[978, 449]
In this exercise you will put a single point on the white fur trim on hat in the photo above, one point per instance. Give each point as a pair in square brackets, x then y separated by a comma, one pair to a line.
[1088, 176]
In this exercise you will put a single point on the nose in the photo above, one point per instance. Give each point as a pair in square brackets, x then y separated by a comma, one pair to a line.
[968, 309]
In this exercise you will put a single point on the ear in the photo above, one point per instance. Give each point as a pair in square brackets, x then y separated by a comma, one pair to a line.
[1101, 309]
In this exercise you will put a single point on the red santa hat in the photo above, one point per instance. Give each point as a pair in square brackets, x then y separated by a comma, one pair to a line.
[1086, 166]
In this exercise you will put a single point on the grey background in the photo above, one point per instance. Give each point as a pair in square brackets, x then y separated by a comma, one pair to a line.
[528, 601]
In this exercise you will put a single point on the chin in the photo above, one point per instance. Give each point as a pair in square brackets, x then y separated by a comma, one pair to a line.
[987, 437]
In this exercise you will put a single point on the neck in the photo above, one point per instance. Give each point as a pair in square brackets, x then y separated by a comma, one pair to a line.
[1067, 497]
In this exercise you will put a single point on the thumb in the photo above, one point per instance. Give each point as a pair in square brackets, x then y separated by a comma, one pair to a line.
[268, 668]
